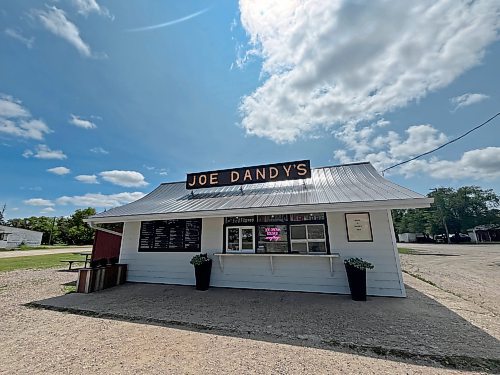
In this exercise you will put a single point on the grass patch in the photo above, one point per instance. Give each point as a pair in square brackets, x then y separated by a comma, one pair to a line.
[69, 289]
[35, 262]
[405, 250]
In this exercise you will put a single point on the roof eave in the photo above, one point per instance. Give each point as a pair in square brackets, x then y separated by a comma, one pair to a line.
[329, 207]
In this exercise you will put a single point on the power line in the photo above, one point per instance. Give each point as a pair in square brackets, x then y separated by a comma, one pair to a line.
[443, 145]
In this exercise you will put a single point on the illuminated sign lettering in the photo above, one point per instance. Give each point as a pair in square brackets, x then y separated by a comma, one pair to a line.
[250, 175]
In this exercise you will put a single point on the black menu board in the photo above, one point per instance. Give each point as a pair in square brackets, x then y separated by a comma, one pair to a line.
[192, 237]
[170, 235]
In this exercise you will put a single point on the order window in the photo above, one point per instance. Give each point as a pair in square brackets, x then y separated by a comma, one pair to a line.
[240, 239]
[308, 239]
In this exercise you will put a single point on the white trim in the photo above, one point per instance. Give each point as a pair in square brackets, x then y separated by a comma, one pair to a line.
[96, 227]
[240, 239]
[396, 253]
[271, 256]
[296, 209]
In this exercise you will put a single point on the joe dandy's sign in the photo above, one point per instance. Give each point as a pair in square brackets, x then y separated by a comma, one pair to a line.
[293, 170]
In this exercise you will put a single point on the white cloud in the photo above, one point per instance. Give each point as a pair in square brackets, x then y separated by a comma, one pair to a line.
[467, 99]
[124, 178]
[78, 121]
[85, 7]
[386, 149]
[87, 179]
[16, 120]
[47, 210]
[27, 153]
[28, 42]
[55, 21]
[100, 200]
[59, 170]
[44, 152]
[99, 150]
[327, 63]
[479, 164]
[38, 202]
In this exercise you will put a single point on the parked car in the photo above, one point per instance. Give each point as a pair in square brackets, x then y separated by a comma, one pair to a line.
[440, 238]
[459, 237]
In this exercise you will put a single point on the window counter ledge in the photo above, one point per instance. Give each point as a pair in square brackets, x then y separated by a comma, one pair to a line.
[221, 257]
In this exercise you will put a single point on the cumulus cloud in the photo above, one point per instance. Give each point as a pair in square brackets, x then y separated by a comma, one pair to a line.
[55, 21]
[100, 200]
[327, 63]
[99, 150]
[86, 7]
[467, 99]
[479, 164]
[38, 202]
[47, 210]
[388, 148]
[44, 152]
[59, 170]
[28, 42]
[16, 120]
[124, 178]
[82, 123]
[87, 178]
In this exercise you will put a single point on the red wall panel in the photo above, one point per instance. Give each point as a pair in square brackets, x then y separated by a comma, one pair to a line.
[106, 245]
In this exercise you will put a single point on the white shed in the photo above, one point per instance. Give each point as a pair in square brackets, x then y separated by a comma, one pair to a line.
[278, 234]
[11, 237]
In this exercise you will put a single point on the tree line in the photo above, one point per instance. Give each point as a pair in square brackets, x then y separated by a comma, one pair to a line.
[69, 230]
[453, 211]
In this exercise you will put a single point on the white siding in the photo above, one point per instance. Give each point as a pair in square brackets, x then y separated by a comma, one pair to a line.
[310, 274]
[17, 236]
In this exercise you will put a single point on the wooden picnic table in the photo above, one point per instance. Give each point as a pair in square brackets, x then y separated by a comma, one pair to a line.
[87, 256]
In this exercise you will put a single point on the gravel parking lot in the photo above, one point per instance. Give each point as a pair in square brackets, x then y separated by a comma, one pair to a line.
[471, 272]
[46, 341]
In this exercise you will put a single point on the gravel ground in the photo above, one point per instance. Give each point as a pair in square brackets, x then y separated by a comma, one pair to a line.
[471, 272]
[43, 341]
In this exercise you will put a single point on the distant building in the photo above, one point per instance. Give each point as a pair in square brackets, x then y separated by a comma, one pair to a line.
[485, 233]
[11, 237]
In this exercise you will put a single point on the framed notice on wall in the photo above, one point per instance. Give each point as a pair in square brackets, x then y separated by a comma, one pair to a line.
[359, 228]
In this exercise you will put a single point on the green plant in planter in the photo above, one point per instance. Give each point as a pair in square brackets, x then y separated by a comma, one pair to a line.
[199, 260]
[358, 263]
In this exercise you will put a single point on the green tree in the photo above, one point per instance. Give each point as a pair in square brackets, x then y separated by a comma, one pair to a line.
[452, 211]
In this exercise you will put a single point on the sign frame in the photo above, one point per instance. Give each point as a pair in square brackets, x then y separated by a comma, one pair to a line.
[293, 170]
[366, 234]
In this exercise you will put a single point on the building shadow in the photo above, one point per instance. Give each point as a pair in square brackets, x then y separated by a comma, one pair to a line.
[416, 329]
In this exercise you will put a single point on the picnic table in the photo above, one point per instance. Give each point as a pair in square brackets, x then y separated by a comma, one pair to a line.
[87, 256]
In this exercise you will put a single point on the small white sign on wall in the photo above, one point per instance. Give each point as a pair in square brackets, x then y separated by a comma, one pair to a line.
[359, 228]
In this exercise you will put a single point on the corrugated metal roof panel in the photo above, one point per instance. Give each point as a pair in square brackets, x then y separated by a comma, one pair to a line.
[329, 185]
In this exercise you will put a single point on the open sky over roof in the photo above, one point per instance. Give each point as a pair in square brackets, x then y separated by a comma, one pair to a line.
[101, 101]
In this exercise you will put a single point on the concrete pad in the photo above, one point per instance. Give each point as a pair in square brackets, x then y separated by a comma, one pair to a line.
[417, 326]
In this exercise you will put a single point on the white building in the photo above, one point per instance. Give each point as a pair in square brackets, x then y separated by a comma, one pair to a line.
[11, 237]
[280, 234]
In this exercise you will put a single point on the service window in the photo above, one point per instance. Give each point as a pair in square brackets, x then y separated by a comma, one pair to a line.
[273, 238]
[240, 239]
[308, 238]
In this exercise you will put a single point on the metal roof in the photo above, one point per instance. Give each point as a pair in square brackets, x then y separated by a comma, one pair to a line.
[356, 184]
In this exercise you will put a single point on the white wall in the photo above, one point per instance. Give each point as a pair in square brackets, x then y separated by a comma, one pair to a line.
[290, 273]
[17, 236]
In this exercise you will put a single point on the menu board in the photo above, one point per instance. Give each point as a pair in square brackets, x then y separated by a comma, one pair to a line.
[358, 226]
[170, 235]
[192, 235]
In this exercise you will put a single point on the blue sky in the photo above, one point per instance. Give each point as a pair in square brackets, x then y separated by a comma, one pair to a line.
[93, 113]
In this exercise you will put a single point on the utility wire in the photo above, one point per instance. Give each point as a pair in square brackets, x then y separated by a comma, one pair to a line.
[443, 145]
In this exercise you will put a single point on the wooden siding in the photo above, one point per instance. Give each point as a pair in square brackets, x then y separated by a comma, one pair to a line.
[106, 245]
[309, 274]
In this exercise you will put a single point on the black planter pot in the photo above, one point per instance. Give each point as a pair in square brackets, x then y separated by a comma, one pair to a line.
[202, 274]
[357, 282]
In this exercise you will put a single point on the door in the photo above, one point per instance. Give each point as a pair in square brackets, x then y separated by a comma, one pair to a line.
[240, 239]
